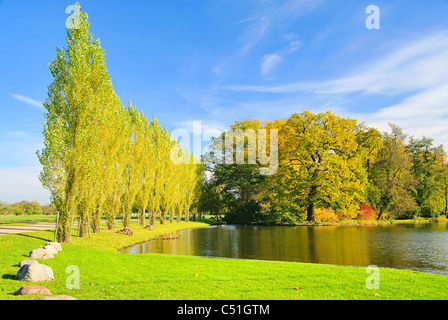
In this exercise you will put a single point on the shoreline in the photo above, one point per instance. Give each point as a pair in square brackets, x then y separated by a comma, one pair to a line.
[348, 223]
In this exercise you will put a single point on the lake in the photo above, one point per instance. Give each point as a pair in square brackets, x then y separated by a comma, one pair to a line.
[421, 247]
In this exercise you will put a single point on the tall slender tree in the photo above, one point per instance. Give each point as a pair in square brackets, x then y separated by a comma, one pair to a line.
[78, 100]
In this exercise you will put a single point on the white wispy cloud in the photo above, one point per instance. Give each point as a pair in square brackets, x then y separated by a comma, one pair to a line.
[421, 114]
[418, 65]
[269, 62]
[261, 19]
[32, 102]
[415, 74]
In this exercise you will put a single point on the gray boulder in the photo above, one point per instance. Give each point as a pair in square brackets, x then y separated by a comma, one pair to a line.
[57, 245]
[24, 262]
[35, 272]
[32, 290]
[50, 249]
[41, 253]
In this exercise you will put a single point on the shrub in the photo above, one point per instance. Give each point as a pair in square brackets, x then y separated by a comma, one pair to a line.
[348, 212]
[325, 215]
[439, 219]
[366, 212]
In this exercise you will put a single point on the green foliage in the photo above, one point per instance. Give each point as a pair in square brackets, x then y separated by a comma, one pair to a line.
[331, 162]
[319, 162]
[429, 172]
[21, 208]
[100, 158]
[392, 174]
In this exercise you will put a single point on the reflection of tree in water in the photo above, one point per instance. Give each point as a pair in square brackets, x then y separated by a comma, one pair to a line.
[422, 247]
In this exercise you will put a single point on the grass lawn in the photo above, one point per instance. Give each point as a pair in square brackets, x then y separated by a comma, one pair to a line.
[106, 273]
[12, 219]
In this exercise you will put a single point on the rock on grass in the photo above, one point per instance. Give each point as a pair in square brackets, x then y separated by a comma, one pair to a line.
[24, 262]
[35, 272]
[57, 245]
[32, 290]
[50, 249]
[41, 253]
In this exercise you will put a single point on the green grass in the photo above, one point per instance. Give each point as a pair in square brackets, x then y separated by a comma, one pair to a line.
[12, 219]
[107, 274]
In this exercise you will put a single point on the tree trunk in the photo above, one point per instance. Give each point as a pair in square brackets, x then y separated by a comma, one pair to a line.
[96, 221]
[153, 218]
[111, 221]
[64, 228]
[56, 229]
[311, 199]
[162, 217]
[310, 213]
[84, 225]
[446, 199]
[141, 217]
[127, 220]
[380, 214]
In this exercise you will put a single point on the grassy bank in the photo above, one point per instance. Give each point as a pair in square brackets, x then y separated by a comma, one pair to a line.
[12, 219]
[373, 222]
[107, 274]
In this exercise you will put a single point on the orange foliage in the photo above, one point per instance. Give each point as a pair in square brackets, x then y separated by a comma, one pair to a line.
[325, 215]
[366, 212]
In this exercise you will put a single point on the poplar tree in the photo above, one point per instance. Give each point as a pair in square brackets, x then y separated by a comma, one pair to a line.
[146, 168]
[122, 131]
[159, 170]
[100, 157]
[132, 152]
[76, 108]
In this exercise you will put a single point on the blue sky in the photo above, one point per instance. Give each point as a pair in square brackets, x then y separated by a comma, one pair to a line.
[225, 60]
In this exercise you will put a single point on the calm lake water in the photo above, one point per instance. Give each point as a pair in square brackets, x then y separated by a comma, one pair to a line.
[421, 247]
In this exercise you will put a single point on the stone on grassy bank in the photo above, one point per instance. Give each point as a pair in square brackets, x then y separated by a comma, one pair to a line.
[50, 249]
[24, 262]
[35, 272]
[32, 290]
[57, 245]
[41, 253]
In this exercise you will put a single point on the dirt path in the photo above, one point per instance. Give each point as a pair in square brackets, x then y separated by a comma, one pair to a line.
[25, 228]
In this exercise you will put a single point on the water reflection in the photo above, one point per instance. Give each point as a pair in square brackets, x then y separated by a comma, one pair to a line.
[421, 247]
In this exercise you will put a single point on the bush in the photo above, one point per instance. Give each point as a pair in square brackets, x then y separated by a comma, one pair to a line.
[439, 219]
[366, 212]
[325, 215]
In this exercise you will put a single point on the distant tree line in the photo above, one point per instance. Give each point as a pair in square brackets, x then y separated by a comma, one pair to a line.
[26, 208]
[330, 168]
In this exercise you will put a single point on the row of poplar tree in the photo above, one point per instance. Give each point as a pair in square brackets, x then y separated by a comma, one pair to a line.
[102, 159]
